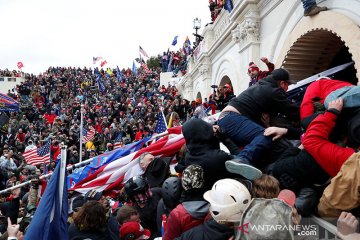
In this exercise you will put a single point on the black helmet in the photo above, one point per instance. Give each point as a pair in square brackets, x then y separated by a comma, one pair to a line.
[135, 185]
[171, 192]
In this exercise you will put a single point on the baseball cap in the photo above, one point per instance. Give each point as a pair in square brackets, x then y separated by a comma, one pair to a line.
[281, 74]
[93, 195]
[134, 229]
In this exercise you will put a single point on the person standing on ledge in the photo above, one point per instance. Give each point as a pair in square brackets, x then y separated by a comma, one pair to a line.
[311, 8]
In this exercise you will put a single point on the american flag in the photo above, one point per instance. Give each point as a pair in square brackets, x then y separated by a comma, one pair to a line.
[116, 173]
[38, 155]
[161, 123]
[117, 140]
[145, 67]
[95, 59]
[142, 51]
[88, 135]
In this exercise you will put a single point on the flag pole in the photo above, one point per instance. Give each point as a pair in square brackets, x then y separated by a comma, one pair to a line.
[62, 172]
[72, 167]
[81, 131]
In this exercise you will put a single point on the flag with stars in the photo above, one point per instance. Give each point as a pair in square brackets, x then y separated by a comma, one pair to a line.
[88, 135]
[38, 155]
[161, 124]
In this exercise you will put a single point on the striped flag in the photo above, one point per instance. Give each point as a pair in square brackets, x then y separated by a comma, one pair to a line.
[38, 155]
[116, 173]
[95, 59]
[145, 67]
[88, 135]
[142, 51]
[117, 140]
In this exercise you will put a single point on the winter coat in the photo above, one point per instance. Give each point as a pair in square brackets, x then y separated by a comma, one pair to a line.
[264, 97]
[203, 148]
[316, 142]
[210, 230]
[184, 217]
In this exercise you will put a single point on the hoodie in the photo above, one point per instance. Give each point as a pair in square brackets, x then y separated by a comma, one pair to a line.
[184, 217]
[203, 149]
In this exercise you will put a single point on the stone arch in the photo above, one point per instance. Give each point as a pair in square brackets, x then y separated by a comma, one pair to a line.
[315, 43]
[198, 95]
[226, 73]
[225, 80]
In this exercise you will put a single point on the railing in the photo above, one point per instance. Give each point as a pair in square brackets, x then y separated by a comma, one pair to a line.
[327, 230]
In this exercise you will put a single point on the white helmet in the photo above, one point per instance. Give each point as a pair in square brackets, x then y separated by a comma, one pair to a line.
[228, 200]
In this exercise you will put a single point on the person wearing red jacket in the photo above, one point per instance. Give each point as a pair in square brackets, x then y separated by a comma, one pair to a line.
[341, 163]
[50, 118]
[193, 210]
[256, 74]
[317, 92]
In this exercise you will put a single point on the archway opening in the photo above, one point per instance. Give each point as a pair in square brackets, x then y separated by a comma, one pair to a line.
[317, 51]
[225, 80]
[198, 95]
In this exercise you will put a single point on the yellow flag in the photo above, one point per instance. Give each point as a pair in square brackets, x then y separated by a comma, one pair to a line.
[170, 120]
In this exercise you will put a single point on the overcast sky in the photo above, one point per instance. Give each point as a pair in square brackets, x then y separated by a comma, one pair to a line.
[43, 33]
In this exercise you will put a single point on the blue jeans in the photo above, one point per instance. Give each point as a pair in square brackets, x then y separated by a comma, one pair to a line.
[308, 4]
[350, 95]
[244, 132]
[164, 66]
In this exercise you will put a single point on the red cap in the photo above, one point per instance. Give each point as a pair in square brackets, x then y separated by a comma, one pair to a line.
[136, 229]
[288, 197]
[253, 67]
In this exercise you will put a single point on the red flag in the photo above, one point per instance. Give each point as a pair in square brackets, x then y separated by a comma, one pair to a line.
[103, 63]
[116, 173]
[20, 65]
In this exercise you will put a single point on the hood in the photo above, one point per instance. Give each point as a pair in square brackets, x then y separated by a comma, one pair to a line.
[198, 133]
[197, 209]
[269, 80]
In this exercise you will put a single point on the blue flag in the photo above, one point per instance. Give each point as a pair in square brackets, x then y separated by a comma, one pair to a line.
[98, 161]
[119, 136]
[174, 42]
[99, 82]
[228, 5]
[118, 74]
[7, 104]
[161, 124]
[134, 69]
[50, 219]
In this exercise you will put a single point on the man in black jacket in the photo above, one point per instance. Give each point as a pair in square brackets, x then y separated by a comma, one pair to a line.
[203, 148]
[241, 119]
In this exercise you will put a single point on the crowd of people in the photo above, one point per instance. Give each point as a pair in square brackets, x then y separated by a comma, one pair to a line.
[8, 73]
[285, 160]
[280, 154]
